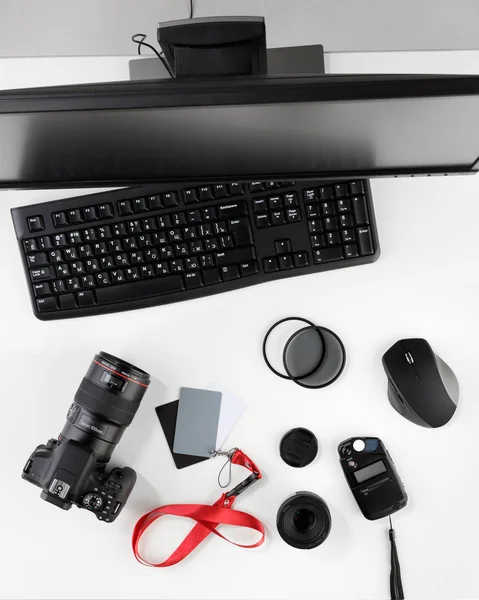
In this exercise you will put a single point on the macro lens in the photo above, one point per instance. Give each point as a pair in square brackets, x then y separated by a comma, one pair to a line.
[105, 403]
[304, 520]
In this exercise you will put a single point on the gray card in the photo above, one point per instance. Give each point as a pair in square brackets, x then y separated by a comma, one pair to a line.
[197, 422]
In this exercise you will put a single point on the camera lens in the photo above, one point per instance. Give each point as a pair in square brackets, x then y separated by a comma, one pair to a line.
[304, 520]
[112, 388]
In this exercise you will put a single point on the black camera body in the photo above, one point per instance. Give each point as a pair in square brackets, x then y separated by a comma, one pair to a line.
[372, 477]
[72, 469]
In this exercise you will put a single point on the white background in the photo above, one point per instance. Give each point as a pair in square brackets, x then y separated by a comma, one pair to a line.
[425, 284]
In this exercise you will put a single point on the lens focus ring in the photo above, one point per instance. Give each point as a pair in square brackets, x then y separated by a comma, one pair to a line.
[112, 406]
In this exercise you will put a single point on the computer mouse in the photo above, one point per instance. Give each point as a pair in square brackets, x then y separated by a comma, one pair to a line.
[422, 388]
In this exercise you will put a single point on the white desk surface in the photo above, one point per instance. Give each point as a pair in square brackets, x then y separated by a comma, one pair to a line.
[426, 284]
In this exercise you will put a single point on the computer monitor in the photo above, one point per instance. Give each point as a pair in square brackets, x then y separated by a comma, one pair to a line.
[237, 128]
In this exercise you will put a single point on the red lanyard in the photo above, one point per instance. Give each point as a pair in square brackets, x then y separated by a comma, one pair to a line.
[207, 517]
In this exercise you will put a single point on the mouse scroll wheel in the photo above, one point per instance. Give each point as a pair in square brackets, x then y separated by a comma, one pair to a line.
[409, 358]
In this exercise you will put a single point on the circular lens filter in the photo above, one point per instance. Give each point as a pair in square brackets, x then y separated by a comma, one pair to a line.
[274, 342]
[299, 347]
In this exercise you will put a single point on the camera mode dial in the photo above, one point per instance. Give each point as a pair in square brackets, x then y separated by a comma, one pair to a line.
[93, 501]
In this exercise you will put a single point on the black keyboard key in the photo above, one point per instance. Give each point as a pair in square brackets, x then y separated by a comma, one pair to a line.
[92, 265]
[154, 202]
[356, 188]
[327, 255]
[344, 205]
[125, 208]
[234, 256]
[47, 304]
[86, 251]
[282, 247]
[236, 188]
[45, 243]
[134, 227]
[130, 243]
[256, 186]
[90, 213]
[190, 196]
[348, 236]
[209, 214]
[88, 281]
[262, 220]
[62, 270]
[249, 268]
[275, 202]
[189, 233]
[328, 209]
[42, 274]
[315, 226]
[206, 193]
[325, 192]
[194, 216]
[360, 210]
[291, 200]
[192, 264]
[285, 262]
[149, 224]
[86, 298]
[30, 245]
[77, 268]
[164, 221]
[170, 199]
[105, 211]
[162, 268]
[146, 271]
[37, 260]
[259, 205]
[364, 240]
[229, 273]
[59, 286]
[270, 265]
[301, 259]
[70, 254]
[67, 301]
[102, 279]
[351, 251]
[241, 231]
[271, 185]
[73, 284]
[42, 289]
[220, 227]
[179, 219]
[234, 209]
[277, 217]
[146, 240]
[220, 191]
[332, 238]
[340, 190]
[318, 240]
[310, 195]
[35, 223]
[75, 237]
[193, 280]
[181, 250]
[89, 235]
[174, 235]
[330, 224]
[122, 260]
[207, 261]
[227, 241]
[346, 220]
[119, 229]
[313, 211]
[211, 245]
[75, 216]
[132, 274]
[101, 249]
[146, 288]
[166, 252]
[106, 262]
[177, 266]
[211, 276]
[60, 240]
[293, 215]
[60, 219]
[159, 239]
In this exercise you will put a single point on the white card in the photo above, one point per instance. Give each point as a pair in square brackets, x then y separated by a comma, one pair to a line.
[232, 407]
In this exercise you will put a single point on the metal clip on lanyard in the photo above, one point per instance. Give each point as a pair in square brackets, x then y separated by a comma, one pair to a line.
[207, 517]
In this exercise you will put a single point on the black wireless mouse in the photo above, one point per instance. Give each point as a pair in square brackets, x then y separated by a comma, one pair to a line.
[421, 387]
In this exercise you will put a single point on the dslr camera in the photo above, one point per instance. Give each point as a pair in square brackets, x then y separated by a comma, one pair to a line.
[72, 469]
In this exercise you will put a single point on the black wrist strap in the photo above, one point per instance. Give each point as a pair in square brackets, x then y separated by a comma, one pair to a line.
[395, 582]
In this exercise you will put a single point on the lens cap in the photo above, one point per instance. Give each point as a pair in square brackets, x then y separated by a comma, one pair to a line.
[304, 520]
[304, 342]
[298, 447]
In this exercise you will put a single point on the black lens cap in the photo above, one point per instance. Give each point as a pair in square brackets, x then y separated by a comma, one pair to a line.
[298, 447]
[304, 520]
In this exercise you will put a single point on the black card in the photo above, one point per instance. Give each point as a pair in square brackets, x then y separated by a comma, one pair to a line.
[167, 414]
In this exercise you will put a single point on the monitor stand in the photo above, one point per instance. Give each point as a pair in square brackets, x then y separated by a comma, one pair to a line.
[224, 46]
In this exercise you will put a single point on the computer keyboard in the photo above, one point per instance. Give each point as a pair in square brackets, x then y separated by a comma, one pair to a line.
[163, 243]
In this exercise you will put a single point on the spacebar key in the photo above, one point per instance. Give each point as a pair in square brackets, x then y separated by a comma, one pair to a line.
[140, 289]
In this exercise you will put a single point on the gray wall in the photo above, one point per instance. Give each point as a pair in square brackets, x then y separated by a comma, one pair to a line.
[104, 27]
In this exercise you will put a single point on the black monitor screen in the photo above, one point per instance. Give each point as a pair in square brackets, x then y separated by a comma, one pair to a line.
[240, 140]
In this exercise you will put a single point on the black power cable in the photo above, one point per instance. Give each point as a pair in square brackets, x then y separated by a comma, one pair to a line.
[141, 42]
[395, 582]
